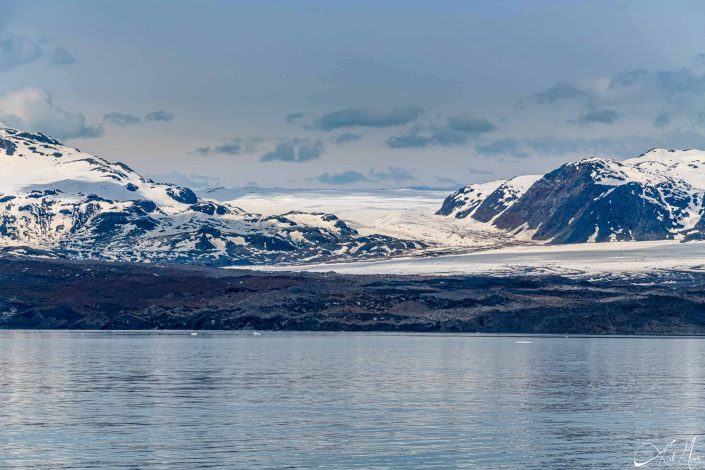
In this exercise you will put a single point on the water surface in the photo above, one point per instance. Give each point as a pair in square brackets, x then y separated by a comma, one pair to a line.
[235, 400]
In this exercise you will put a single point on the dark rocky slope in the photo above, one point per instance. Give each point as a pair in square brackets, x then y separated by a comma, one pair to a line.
[659, 195]
[89, 295]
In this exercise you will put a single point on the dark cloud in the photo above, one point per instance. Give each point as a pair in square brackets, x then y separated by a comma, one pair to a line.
[458, 130]
[546, 146]
[60, 57]
[309, 151]
[346, 177]
[410, 140]
[121, 119]
[636, 91]
[161, 115]
[347, 137]
[392, 173]
[293, 117]
[366, 117]
[662, 120]
[285, 152]
[559, 92]
[597, 115]
[127, 119]
[468, 124]
[447, 180]
[231, 148]
[234, 148]
[480, 172]
[18, 50]
[86, 132]
[676, 91]
[668, 82]
[502, 147]
[295, 150]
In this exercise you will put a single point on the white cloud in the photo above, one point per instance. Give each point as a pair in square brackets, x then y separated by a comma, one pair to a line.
[33, 109]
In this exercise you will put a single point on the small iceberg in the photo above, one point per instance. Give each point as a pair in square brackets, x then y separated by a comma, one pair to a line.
[523, 342]
[194, 334]
[256, 333]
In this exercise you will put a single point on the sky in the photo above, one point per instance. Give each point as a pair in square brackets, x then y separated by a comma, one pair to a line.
[354, 94]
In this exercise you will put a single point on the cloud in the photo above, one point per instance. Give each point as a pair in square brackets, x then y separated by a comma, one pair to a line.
[628, 145]
[293, 117]
[367, 117]
[347, 137]
[502, 147]
[597, 115]
[231, 147]
[667, 82]
[189, 181]
[392, 173]
[161, 115]
[670, 94]
[18, 50]
[127, 119]
[309, 151]
[346, 177]
[560, 91]
[662, 120]
[457, 130]
[295, 150]
[477, 171]
[60, 57]
[33, 108]
[412, 139]
[121, 119]
[447, 180]
[470, 125]
[635, 90]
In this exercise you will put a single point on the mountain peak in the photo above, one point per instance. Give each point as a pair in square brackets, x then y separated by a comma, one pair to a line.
[671, 154]
[73, 204]
[658, 195]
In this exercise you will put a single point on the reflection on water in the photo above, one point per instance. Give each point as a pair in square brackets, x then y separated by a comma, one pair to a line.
[237, 400]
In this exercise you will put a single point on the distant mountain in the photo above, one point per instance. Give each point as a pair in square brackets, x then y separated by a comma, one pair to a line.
[59, 201]
[657, 196]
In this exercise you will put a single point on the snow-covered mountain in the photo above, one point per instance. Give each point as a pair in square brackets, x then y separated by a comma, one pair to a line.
[63, 202]
[657, 196]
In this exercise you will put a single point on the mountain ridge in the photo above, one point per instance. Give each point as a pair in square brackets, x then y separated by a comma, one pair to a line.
[67, 203]
[657, 195]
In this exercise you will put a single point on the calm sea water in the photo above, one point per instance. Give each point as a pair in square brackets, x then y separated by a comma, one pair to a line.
[235, 400]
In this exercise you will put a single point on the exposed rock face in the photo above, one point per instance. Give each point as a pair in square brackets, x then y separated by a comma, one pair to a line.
[67, 203]
[657, 196]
